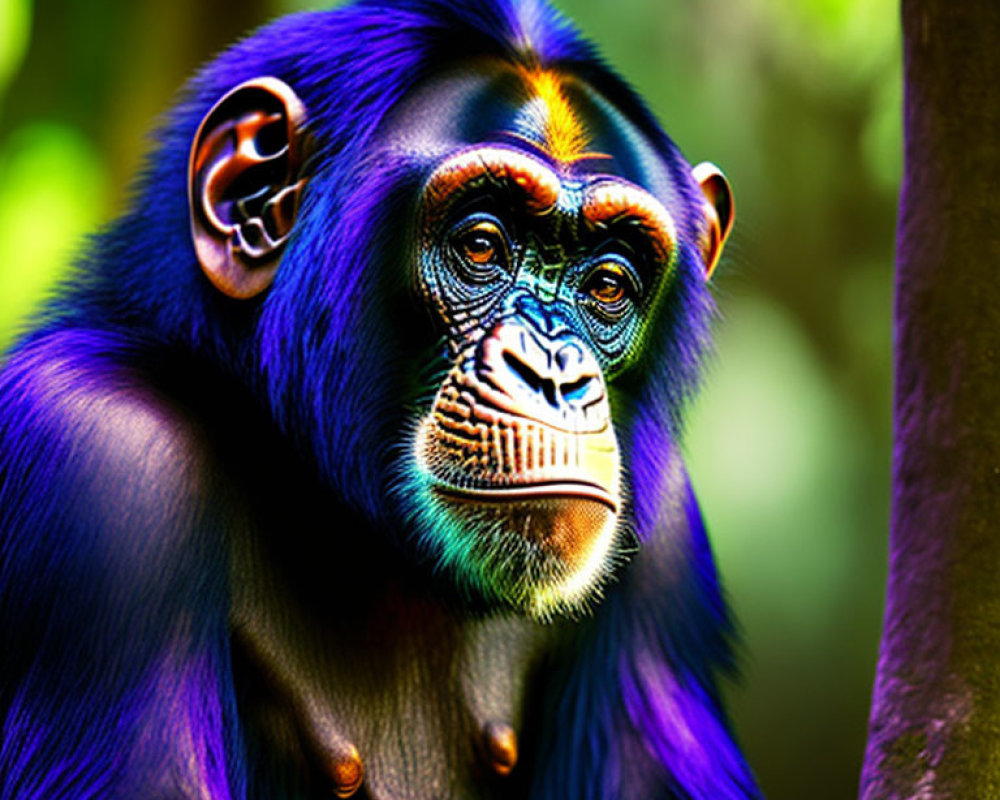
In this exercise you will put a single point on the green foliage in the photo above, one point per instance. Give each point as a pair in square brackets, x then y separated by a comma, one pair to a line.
[51, 194]
[15, 27]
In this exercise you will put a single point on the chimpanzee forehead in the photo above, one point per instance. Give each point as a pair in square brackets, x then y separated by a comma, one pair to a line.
[547, 114]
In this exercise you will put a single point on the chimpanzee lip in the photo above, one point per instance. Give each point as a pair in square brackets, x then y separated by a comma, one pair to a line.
[552, 489]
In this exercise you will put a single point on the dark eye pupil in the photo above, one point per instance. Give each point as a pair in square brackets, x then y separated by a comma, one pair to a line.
[479, 244]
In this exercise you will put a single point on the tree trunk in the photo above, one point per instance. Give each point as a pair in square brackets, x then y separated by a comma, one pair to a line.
[935, 720]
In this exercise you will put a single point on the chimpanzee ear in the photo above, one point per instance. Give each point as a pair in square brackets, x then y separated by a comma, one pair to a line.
[718, 209]
[244, 184]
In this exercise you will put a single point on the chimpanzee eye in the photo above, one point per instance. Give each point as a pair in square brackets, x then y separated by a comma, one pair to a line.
[481, 244]
[610, 289]
[607, 287]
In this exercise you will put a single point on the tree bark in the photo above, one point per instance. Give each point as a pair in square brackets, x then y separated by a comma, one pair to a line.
[935, 719]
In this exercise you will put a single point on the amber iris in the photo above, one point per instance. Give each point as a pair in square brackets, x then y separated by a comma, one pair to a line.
[481, 242]
[607, 286]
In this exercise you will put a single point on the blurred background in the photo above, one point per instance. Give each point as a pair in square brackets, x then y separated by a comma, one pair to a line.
[799, 102]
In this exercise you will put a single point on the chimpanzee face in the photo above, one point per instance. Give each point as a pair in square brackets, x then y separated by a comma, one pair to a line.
[544, 245]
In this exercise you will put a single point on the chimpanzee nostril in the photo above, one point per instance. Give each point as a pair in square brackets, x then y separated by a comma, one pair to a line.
[575, 391]
[535, 382]
[557, 391]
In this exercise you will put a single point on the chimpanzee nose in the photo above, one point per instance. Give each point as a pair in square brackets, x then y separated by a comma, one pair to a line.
[559, 375]
[557, 379]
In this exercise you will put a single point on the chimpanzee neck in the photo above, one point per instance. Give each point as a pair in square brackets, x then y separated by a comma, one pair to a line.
[385, 673]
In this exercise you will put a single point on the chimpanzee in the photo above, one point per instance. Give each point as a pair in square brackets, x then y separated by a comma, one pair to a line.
[346, 463]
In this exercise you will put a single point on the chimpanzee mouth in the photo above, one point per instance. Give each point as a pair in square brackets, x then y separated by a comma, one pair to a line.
[534, 505]
[558, 530]
[555, 489]
[474, 452]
